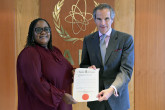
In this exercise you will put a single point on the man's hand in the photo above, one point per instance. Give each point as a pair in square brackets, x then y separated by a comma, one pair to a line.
[105, 94]
[68, 99]
[93, 67]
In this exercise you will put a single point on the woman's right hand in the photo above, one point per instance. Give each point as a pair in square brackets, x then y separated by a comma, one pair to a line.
[68, 99]
[92, 67]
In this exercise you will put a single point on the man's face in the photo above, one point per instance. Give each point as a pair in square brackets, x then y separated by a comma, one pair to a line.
[103, 20]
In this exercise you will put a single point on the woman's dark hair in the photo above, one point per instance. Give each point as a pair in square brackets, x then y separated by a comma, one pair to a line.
[30, 38]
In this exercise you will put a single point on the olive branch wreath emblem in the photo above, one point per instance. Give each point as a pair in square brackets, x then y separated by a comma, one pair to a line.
[59, 28]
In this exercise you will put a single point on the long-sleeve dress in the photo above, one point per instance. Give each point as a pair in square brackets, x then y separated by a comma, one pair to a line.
[43, 76]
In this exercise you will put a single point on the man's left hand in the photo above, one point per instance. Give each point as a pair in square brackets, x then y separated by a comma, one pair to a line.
[105, 94]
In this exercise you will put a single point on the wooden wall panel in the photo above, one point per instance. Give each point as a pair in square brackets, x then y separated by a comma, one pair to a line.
[27, 10]
[150, 55]
[7, 55]
[124, 21]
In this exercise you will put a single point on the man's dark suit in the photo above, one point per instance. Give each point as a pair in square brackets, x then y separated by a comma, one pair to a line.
[117, 71]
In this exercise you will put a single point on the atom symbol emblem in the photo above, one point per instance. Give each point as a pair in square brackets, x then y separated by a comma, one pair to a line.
[80, 23]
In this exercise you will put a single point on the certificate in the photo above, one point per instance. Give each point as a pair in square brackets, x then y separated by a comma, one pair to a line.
[86, 84]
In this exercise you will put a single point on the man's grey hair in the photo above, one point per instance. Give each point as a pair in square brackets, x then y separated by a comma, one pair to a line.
[104, 6]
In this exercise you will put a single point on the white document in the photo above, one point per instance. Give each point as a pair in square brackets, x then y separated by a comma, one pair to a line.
[86, 84]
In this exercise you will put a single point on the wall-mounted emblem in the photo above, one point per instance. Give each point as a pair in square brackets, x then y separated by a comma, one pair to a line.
[77, 18]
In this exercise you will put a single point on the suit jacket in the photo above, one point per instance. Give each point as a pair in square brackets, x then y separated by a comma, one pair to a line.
[117, 71]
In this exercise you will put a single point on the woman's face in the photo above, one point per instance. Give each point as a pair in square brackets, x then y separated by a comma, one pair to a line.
[42, 33]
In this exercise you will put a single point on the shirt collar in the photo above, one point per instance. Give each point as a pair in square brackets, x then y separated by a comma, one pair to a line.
[107, 33]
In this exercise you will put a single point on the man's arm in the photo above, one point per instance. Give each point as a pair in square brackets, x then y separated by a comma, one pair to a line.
[126, 69]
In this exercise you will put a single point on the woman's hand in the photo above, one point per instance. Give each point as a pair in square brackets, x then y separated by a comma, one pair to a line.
[68, 99]
[92, 67]
[73, 72]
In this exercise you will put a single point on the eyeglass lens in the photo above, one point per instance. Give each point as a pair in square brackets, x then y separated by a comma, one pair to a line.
[38, 30]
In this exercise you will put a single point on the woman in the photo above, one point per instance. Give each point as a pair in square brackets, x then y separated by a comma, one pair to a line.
[44, 75]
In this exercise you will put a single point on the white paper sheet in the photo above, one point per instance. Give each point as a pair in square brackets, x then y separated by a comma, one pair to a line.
[86, 84]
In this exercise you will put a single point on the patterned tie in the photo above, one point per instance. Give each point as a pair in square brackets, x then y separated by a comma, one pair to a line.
[103, 47]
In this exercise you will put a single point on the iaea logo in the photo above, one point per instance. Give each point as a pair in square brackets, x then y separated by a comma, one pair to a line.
[71, 19]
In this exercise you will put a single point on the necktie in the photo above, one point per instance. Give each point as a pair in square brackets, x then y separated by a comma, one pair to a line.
[103, 47]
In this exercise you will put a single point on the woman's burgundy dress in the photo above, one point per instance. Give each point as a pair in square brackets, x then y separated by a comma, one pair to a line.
[43, 76]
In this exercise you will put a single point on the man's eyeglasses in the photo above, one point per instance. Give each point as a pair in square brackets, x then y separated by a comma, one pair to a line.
[38, 30]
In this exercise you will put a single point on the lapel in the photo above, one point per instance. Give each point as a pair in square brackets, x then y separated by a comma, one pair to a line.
[111, 44]
[95, 45]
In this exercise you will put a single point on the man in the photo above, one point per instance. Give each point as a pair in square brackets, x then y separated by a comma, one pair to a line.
[113, 52]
